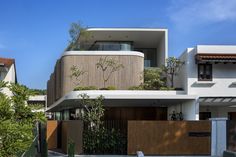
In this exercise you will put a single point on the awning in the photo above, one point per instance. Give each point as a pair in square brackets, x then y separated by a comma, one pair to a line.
[218, 101]
[215, 58]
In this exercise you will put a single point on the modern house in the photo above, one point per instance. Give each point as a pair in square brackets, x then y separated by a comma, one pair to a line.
[207, 79]
[135, 49]
[7, 72]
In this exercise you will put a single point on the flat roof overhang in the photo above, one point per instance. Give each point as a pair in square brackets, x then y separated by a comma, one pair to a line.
[215, 58]
[141, 37]
[124, 98]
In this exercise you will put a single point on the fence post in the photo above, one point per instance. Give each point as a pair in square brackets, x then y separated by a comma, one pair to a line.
[218, 136]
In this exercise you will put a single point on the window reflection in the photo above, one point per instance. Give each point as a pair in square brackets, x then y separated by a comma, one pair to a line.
[111, 46]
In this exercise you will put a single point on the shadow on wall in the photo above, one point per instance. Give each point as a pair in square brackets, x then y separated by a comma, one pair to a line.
[232, 85]
[202, 85]
[231, 135]
[51, 133]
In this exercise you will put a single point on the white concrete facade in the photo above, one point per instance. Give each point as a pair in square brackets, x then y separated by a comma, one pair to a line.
[221, 86]
[175, 100]
[144, 38]
[9, 75]
[223, 83]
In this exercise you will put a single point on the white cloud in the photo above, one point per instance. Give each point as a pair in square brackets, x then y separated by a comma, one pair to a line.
[188, 13]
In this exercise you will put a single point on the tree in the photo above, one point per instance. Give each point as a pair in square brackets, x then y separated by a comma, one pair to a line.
[94, 111]
[76, 73]
[108, 67]
[153, 79]
[39, 91]
[77, 30]
[16, 121]
[172, 68]
[97, 139]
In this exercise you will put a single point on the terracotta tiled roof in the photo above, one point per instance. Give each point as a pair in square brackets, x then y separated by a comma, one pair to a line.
[215, 57]
[7, 61]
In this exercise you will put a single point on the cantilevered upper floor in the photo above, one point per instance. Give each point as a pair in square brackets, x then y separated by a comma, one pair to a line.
[151, 42]
[134, 48]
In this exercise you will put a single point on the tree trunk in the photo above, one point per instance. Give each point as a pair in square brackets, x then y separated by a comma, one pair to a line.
[172, 81]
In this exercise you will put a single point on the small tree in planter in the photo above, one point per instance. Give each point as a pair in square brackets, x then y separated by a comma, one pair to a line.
[153, 79]
[78, 30]
[108, 67]
[96, 138]
[77, 74]
[71, 149]
[172, 68]
[94, 110]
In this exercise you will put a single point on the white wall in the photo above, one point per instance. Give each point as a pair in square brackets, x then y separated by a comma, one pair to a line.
[218, 111]
[190, 110]
[162, 50]
[218, 136]
[223, 74]
[180, 80]
[220, 49]
[10, 77]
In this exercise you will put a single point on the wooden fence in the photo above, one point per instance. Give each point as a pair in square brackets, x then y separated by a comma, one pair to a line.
[151, 137]
[169, 137]
[51, 133]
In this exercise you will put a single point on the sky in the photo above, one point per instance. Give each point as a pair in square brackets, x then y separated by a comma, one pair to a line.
[35, 32]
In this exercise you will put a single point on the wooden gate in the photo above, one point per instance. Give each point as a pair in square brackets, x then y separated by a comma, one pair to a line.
[169, 137]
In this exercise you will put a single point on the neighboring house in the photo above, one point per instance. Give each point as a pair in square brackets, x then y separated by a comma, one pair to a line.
[38, 102]
[7, 73]
[210, 73]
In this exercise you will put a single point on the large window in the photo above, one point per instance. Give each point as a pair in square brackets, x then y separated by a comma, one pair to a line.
[150, 56]
[205, 72]
[112, 46]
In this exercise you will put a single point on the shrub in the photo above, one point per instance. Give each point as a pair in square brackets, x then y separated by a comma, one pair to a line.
[85, 88]
[108, 88]
[103, 141]
[167, 88]
[140, 87]
[111, 88]
[153, 79]
[71, 149]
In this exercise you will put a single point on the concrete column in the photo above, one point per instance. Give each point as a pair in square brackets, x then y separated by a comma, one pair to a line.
[197, 109]
[218, 136]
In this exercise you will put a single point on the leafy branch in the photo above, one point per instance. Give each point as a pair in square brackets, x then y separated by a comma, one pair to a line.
[109, 66]
[77, 73]
[172, 68]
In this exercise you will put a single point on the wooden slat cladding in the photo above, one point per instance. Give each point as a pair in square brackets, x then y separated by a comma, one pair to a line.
[122, 79]
[61, 83]
[52, 134]
[135, 113]
[58, 80]
[50, 90]
[72, 131]
[169, 137]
